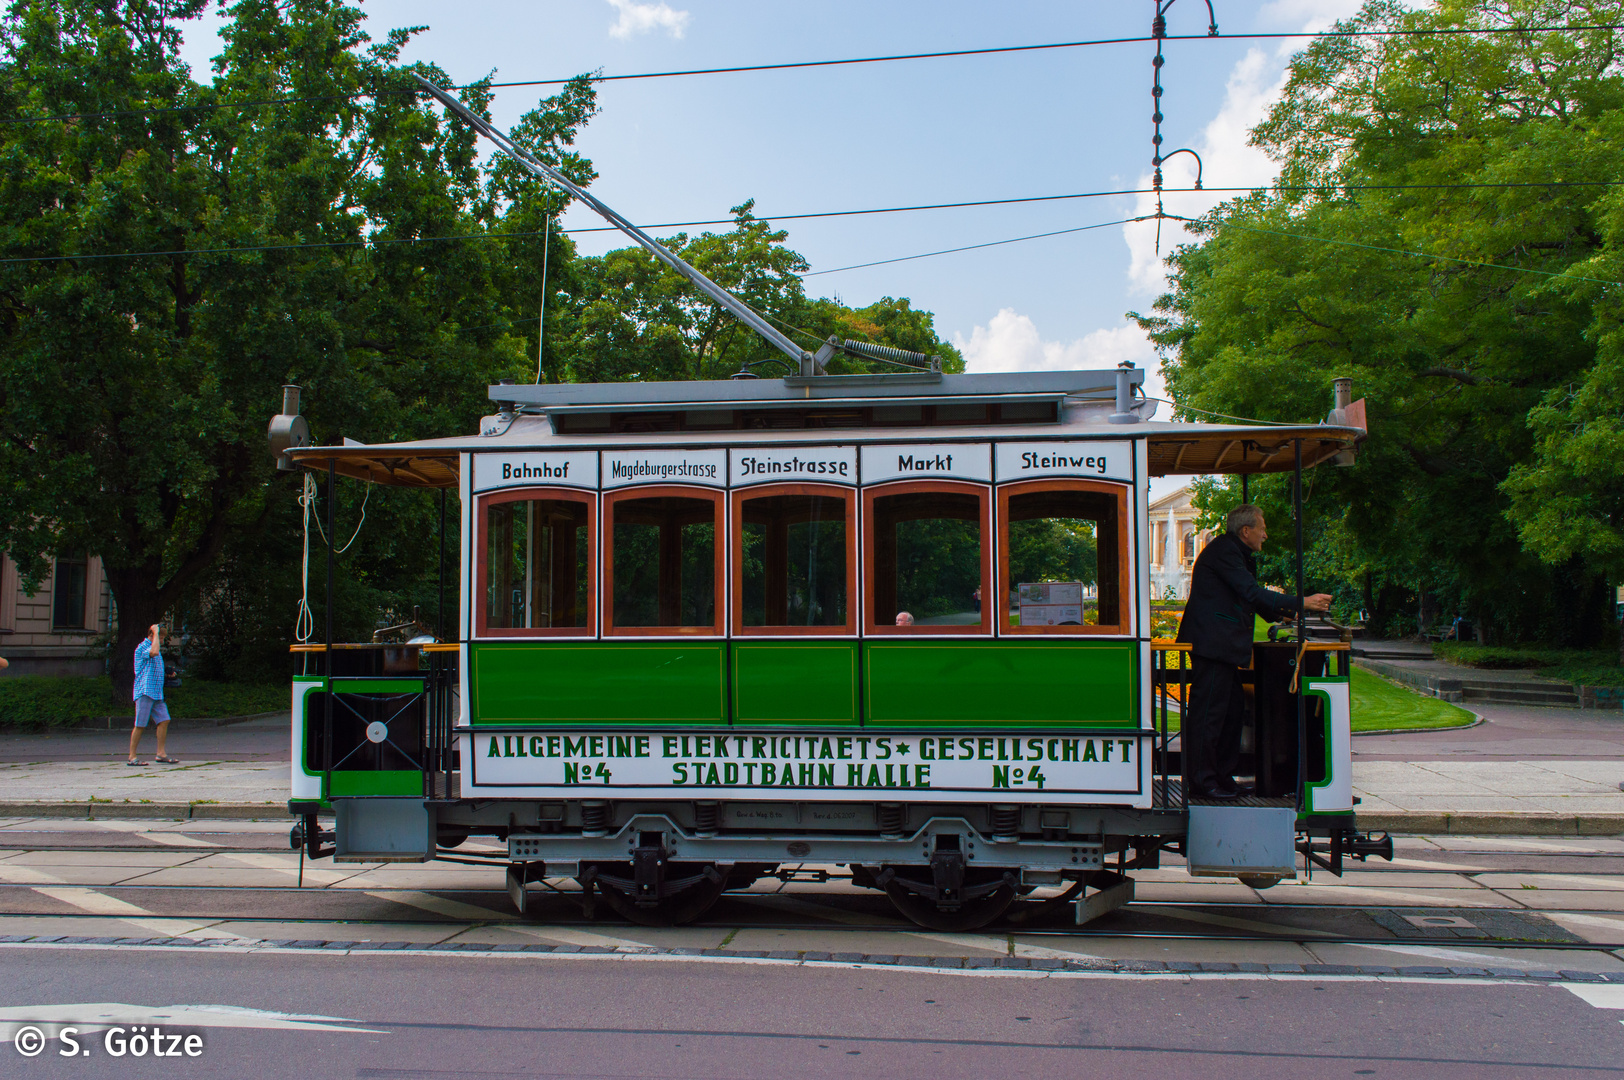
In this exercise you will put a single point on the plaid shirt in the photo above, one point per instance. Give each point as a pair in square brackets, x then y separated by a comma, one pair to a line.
[149, 673]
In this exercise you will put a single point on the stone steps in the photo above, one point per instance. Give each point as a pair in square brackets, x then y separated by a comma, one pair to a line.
[1509, 693]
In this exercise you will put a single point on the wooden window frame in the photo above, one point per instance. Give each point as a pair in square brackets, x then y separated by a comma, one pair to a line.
[1119, 492]
[736, 545]
[908, 487]
[717, 498]
[482, 629]
[84, 625]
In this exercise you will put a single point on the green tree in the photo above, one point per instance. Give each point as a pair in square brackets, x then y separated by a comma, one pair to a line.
[1456, 309]
[630, 318]
[292, 243]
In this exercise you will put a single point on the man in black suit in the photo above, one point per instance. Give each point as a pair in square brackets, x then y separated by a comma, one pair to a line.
[1218, 621]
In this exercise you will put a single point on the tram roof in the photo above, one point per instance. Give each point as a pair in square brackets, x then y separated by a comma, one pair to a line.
[1080, 401]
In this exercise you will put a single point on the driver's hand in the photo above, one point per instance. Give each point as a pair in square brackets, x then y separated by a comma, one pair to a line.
[1318, 602]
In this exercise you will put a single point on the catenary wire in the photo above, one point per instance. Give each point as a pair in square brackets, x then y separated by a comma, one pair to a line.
[967, 204]
[845, 62]
[975, 247]
[1480, 264]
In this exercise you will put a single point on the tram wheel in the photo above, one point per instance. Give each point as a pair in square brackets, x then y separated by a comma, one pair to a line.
[1259, 881]
[682, 906]
[969, 914]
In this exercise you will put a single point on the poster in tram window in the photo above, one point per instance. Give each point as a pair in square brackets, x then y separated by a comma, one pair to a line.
[577, 468]
[927, 461]
[1084, 460]
[622, 468]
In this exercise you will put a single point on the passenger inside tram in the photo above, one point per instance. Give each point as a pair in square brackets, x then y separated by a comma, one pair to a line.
[928, 558]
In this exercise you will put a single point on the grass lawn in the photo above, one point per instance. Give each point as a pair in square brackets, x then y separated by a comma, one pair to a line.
[40, 702]
[1379, 705]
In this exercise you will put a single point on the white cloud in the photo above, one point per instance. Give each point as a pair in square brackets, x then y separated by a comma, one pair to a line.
[1254, 85]
[1011, 342]
[638, 18]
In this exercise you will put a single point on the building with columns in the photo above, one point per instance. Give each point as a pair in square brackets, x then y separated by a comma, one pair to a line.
[1174, 543]
[59, 628]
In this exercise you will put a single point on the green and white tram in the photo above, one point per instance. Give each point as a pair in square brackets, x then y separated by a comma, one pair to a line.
[899, 623]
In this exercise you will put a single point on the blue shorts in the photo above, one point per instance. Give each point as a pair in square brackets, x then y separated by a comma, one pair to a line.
[150, 708]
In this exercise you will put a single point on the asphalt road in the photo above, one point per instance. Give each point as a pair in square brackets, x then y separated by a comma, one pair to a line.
[413, 1017]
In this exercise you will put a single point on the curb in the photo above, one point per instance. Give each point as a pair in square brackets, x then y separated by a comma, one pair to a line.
[167, 811]
[1490, 823]
[1089, 965]
[99, 724]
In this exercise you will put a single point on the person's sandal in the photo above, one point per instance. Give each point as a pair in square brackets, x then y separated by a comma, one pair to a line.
[132, 761]
[167, 760]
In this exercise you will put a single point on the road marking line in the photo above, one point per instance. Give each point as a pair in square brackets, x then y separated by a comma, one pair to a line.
[1610, 996]
[580, 937]
[26, 875]
[1039, 952]
[1578, 879]
[101, 904]
[92, 901]
[98, 1015]
[1442, 866]
[998, 944]
[1272, 929]
[1441, 952]
[1420, 899]
[289, 865]
[1585, 920]
[834, 915]
[136, 829]
[454, 909]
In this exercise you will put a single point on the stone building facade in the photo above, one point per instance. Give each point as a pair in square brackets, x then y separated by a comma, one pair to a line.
[60, 627]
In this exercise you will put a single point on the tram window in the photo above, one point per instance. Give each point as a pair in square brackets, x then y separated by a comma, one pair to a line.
[793, 560]
[664, 568]
[538, 563]
[1062, 558]
[927, 563]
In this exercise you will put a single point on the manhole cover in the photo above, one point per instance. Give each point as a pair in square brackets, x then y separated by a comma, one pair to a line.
[1439, 920]
[1482, 924]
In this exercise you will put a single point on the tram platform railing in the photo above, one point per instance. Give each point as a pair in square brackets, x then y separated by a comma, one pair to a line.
[1172, 677]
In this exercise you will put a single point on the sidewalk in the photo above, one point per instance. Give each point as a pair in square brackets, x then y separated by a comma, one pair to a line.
[1524, 771]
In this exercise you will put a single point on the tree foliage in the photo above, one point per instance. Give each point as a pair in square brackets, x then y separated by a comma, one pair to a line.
[1441, 202]
[299, 234]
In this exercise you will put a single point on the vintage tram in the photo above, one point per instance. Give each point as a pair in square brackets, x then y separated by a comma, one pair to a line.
[901, 623]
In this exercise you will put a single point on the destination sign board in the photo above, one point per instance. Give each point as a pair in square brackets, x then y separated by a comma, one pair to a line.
[823, 766]
[792, 464]
[625, 467]
[927, 461]
[1084, 460]
[576, 468]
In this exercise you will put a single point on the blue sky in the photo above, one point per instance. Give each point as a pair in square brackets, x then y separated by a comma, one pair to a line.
[925, 131]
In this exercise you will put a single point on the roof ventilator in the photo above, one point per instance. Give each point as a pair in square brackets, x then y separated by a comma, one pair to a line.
[1125, 413]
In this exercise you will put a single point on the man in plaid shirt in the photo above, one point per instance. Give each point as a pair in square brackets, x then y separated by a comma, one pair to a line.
[149, 696]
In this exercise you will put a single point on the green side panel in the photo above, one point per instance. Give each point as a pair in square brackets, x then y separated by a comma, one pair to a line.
[377, 686]
[795, 682]
[598, 682]
[397, 782]
[1026, 683]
